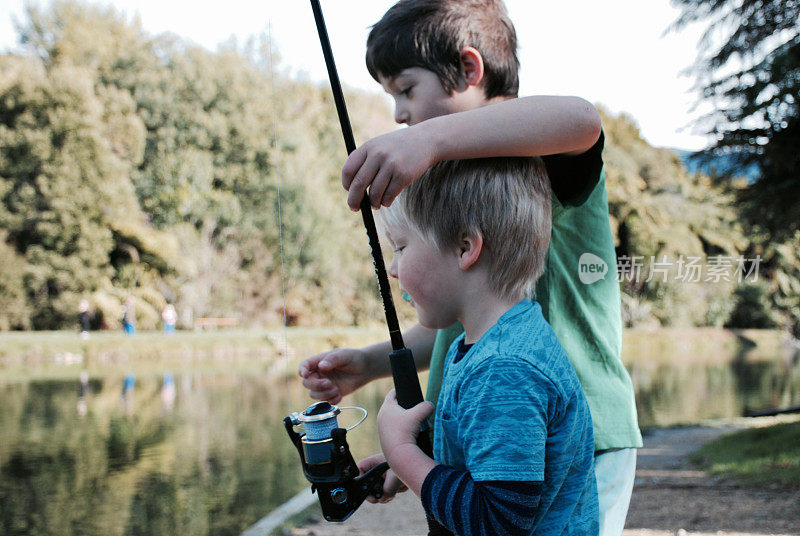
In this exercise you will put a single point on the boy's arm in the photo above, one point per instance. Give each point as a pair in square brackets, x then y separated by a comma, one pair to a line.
[466, 506]
[341, 371]
[449, 495]
[398, 429]
[528, 126]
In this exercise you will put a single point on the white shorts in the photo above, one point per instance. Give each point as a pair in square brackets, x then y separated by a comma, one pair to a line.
[615, 471]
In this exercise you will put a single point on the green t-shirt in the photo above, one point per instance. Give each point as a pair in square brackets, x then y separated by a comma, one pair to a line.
[580, 298]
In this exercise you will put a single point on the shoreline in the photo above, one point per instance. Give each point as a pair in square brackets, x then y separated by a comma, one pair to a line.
[670, 496]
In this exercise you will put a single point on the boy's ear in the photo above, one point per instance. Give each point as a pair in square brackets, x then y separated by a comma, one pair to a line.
[470, 250]
[472, 65]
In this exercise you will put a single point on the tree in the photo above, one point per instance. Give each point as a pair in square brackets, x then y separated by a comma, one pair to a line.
[69, 210]
[204, 168]
[663, 217]
[748, 69]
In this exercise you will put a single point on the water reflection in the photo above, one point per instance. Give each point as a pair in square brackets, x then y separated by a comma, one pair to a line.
[213, 465]
[207, 454]
[686, 390]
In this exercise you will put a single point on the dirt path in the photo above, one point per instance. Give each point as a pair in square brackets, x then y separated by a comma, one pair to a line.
[670, 498]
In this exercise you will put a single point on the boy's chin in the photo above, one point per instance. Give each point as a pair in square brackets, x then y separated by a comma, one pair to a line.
[435, 323]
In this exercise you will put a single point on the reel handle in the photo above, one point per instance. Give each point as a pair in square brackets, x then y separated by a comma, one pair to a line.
[371, 482]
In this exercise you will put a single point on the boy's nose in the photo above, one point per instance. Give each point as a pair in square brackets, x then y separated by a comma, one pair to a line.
[400, 115]
[392, 271]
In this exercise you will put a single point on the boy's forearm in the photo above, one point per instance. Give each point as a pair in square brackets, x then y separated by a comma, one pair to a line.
[418, 339]
[411, 465]
[527, 126]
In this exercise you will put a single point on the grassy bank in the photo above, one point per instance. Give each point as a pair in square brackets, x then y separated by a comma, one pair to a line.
[677, 346]
[767, 455]
[61, 353]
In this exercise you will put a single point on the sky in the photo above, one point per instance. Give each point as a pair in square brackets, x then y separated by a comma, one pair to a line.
[614, 53]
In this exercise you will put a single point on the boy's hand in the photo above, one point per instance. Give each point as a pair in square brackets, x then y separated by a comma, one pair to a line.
[391, 484]
[333, 374]
[398, 427]
[386, 164]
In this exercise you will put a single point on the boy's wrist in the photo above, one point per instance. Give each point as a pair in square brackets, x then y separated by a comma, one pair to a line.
[376, 361]
[434, 137]
[410, 464]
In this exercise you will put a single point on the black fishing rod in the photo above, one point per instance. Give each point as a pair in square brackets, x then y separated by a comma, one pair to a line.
[326, 459]
[404, 370]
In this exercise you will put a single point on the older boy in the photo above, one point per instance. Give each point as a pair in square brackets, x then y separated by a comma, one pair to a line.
[451, 67]
[513, 443]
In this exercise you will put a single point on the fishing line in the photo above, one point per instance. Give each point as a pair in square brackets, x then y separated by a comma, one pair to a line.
[285, 339]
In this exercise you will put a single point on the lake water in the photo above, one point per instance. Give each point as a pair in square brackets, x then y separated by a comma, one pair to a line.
[207, 454]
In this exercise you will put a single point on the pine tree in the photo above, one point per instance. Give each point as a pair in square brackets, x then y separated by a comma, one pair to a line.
[749, 70]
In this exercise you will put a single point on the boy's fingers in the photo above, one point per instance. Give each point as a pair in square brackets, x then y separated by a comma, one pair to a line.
[379, 186]
[363, 178]
[422, 411]
[332, 362]
[328, 396]
[317, 392]
[351, 166]
[308, 365]
[317, 383]
[393, 189]
[303, 370]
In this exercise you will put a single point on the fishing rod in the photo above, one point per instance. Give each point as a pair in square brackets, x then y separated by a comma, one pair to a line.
[404, 371]
[347, 494]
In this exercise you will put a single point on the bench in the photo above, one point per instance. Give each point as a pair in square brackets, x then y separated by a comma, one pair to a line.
[215, 322]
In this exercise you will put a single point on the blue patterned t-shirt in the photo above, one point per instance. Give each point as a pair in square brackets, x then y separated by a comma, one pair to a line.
[512, 409]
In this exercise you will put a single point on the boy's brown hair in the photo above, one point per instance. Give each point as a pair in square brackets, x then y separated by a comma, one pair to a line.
[432, 33]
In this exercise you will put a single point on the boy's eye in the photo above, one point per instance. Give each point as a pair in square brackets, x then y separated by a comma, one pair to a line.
[406, 91]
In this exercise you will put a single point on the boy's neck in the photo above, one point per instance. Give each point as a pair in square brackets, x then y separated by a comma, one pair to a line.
[480, 313]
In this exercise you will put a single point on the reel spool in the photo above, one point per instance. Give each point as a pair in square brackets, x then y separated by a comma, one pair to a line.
[327, 462]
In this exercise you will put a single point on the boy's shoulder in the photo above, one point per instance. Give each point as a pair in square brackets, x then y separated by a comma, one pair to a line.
[524, 341]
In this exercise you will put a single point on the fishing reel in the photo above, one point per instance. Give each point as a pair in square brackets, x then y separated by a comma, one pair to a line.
[328, 463]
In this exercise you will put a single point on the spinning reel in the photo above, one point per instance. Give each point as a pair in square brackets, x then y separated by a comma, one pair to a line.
[328, 463]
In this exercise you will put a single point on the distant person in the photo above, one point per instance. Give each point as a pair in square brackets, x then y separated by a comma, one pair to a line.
[168, 391]
[170, 318]
[127, 392]
[83, 393]
[84, 318]
[129, 317]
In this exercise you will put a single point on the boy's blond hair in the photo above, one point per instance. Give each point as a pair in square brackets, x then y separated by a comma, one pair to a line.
[506, 200]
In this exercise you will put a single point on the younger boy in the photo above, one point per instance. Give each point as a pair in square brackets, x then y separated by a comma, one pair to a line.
[451, 68]
[513, 442]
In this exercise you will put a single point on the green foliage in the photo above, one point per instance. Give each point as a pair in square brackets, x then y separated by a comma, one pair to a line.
[15, 310]
[145, 167]
[766, 455]
[188, 137]
[751, 309]
[63, 183]
[662, 214]
[781, 272]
